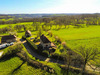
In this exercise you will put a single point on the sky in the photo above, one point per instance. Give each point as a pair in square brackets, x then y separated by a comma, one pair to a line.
[49, 6]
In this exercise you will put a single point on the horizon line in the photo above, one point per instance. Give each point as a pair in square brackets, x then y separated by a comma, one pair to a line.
[48, 13]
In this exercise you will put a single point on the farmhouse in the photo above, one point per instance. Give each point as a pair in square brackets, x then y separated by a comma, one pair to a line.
[45, 42]
[28, 33]
[8, 38]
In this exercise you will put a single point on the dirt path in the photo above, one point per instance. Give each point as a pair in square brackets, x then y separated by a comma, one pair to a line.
[91, 68]
[1, 53]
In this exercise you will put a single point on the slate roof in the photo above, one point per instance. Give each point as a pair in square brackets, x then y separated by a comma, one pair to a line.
[44, 39]
[8, 37]
[27, 32]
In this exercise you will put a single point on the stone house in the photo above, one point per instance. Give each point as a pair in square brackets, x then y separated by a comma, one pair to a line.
[8, 39]
[28, 33]
[45, 42]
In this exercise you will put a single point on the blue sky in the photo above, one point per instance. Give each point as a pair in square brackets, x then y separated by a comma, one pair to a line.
[49, 6]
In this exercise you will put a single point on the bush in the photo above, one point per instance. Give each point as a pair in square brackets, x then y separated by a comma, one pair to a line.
[80, 25]
[36, 40]
[57, 56]
[58, 40]
[50, 33]
[65, 46]
[24, 37]
[46, 53]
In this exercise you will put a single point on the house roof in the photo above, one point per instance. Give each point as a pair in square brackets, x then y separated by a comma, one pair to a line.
[7, 37]
[27, 32]
[44, 39]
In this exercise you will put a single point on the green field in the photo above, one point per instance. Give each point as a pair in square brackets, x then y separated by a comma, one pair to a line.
[75, 37]
[24, 23]
[78, 33]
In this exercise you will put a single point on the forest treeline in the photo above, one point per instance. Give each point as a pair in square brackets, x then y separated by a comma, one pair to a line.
[88, 19]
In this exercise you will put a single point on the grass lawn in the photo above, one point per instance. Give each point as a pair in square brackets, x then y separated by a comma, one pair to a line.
[24, 23]
[78, 33]
[10, 19]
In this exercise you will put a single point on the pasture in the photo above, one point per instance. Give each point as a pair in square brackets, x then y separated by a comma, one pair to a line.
[78, 33]
[24, 23]
[75, 37]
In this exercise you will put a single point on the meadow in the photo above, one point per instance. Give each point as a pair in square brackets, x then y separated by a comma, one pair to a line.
[75, 37]
[24, 23]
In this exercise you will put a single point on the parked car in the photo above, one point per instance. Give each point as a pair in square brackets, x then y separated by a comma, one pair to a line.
[12, 43]
[2, 46]
[32, 38]
[7, 44]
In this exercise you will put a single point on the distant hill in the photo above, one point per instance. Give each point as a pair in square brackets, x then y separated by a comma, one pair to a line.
[38, 15]
[43, 15]
[5, 16]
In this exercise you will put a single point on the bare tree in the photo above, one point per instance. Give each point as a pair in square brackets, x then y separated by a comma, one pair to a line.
[87, 55]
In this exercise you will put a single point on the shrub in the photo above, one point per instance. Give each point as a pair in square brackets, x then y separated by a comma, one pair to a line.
[80, 25]
[50, 33]
[24, 37]
[57, 56]
[59, 40]
[36, 40]
[65, 46]
[45, 52]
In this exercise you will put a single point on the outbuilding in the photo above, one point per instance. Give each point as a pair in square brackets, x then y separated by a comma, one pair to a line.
[8, 39]
[28, 33]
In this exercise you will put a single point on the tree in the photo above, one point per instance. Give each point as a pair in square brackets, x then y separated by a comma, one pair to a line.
[51, 23]
[39, 33]
[24, 27]
[88, 54]
[18, 27]
[67, 57]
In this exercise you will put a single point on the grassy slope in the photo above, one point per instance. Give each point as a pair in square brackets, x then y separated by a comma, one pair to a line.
[7, 66]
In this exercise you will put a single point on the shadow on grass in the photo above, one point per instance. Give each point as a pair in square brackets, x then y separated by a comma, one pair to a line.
[7, 57]
[22, 40]
[20, 31]
[18, 67]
